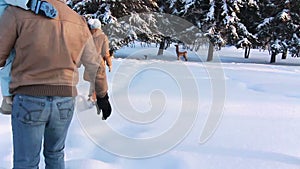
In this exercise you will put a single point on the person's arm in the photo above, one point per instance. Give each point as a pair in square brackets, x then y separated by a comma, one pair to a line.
[96, 71]
[105, 53]
[8, 34]
[94, 67]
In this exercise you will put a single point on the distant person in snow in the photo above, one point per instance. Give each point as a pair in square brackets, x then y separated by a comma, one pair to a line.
[44, 76]
[102, 45]
[38, 7]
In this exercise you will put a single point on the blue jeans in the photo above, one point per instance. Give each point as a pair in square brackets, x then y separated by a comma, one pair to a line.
[37, 118]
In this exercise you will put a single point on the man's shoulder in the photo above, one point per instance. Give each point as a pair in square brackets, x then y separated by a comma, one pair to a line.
[99, 33]
[65, 13]
[13, 9]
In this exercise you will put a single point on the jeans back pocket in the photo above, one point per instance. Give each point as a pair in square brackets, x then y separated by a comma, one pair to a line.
[30, 110]
[66, 108]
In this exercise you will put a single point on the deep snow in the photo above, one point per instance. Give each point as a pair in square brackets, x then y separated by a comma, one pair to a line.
[154, 95]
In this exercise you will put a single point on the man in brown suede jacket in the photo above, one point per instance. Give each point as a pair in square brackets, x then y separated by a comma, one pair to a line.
[44, 77]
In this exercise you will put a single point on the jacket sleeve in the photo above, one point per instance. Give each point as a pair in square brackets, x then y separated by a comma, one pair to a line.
[105, 51]
[95, 68]
[8, 34]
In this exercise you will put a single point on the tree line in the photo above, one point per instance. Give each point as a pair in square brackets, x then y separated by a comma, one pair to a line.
[269, 24]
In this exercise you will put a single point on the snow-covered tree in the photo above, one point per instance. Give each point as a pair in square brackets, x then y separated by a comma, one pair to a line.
[220, 20]
[192, 11]
[121, 19]
[280, 26]
[242, 23]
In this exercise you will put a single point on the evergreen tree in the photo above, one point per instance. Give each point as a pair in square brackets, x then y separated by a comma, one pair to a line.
[242, 23]
[123, 23]
[280, 26]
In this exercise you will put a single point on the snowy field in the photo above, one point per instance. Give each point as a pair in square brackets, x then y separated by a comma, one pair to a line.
[169, 114]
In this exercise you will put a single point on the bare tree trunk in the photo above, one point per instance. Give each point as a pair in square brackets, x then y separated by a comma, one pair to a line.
[273, 57]
[284, 54]
[210, 52]
[161, 47]
[247, 52]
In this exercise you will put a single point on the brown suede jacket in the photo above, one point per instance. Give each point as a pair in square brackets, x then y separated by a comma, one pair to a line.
[102, 45]
[48, 52]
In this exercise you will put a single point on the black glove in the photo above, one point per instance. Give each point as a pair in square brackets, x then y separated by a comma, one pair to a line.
[104, 106]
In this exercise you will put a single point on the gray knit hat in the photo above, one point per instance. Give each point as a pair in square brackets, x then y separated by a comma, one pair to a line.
[94, 23]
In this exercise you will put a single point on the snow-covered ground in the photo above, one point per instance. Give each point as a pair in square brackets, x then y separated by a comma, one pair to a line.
[169, 114]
